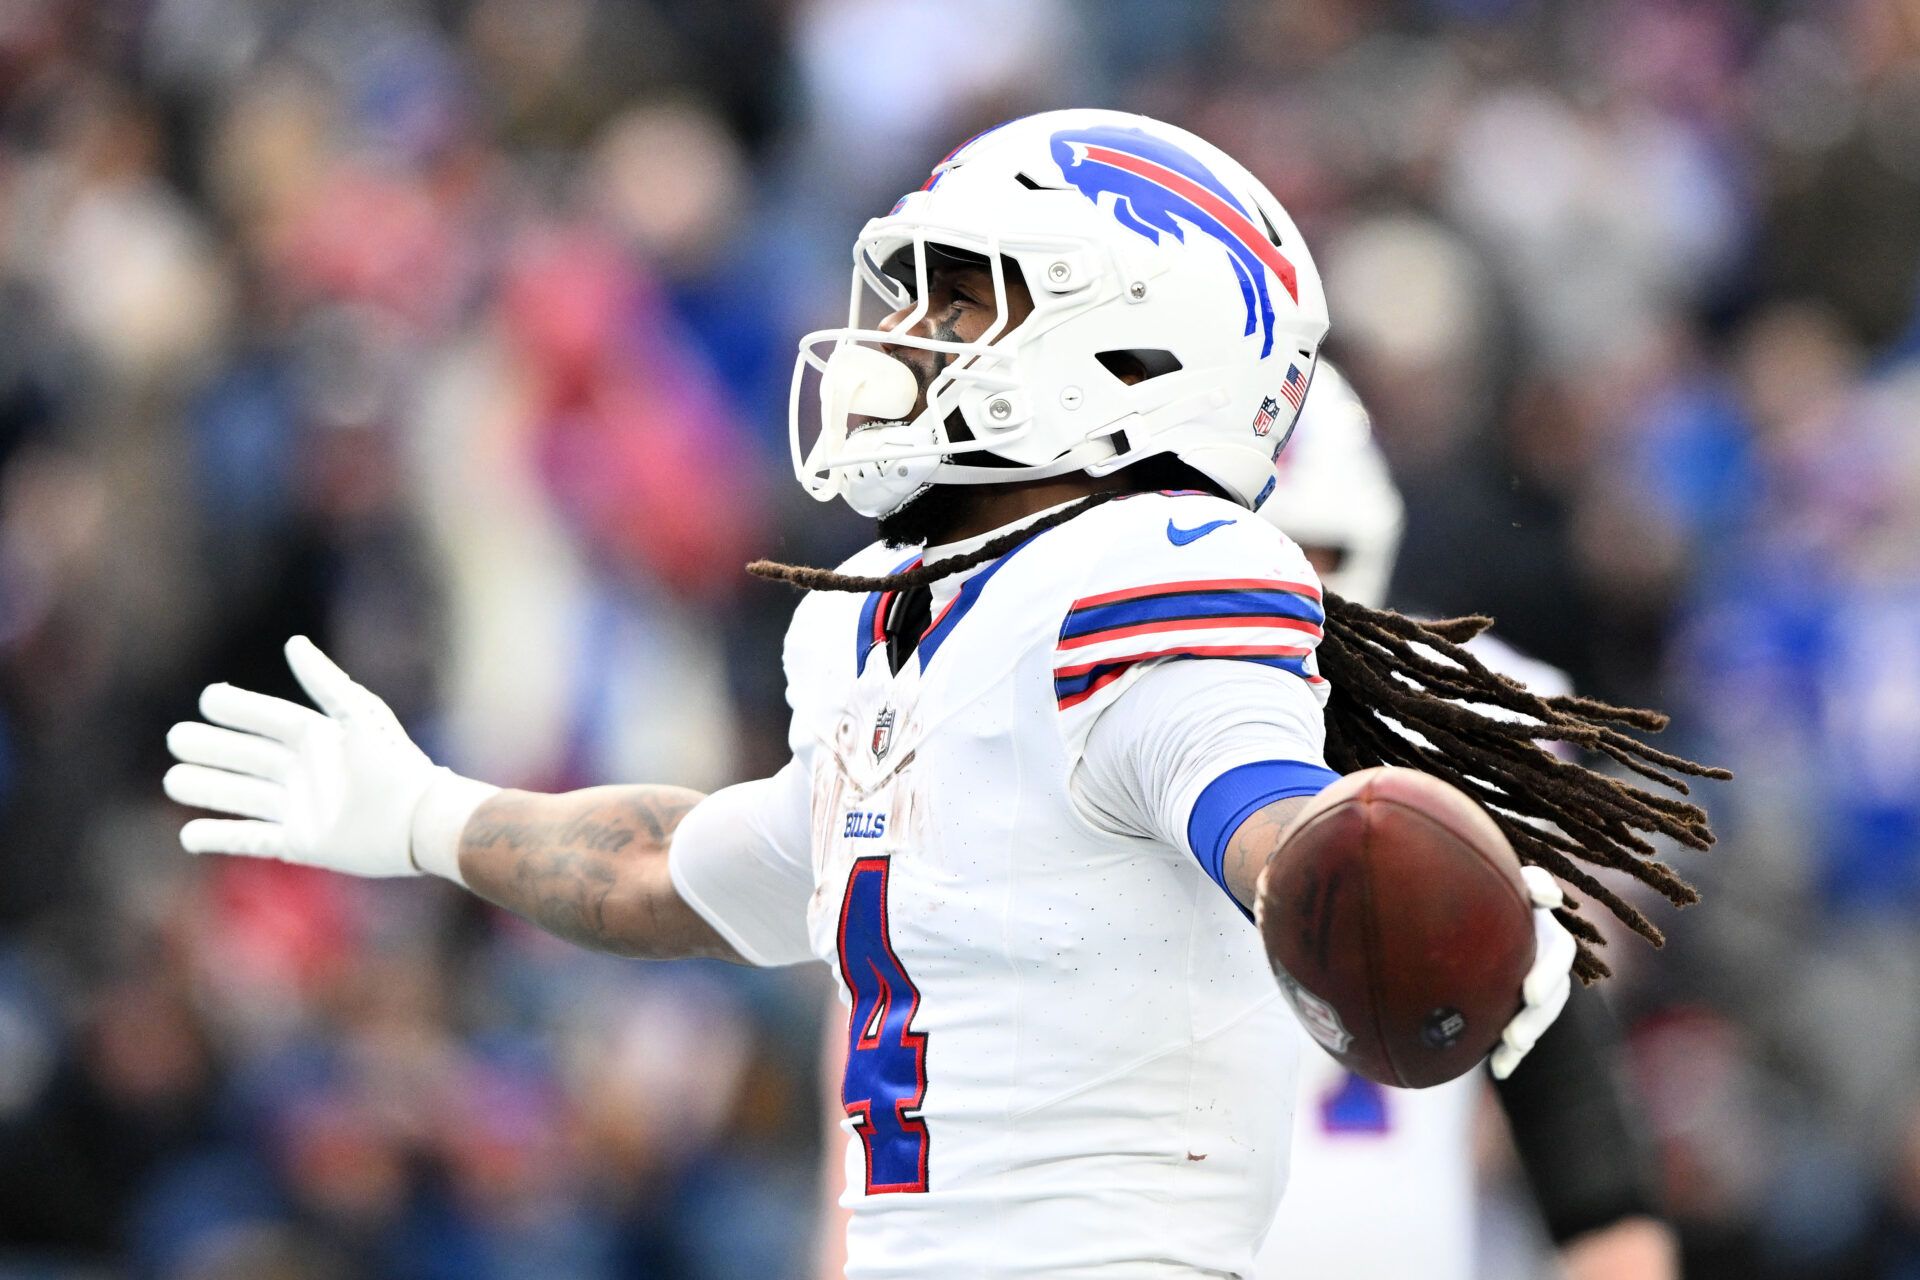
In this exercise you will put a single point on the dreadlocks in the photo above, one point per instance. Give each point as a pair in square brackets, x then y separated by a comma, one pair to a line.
[1407, 693]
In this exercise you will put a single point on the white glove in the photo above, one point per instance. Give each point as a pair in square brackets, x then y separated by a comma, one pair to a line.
[337, 790]
[1548, 983]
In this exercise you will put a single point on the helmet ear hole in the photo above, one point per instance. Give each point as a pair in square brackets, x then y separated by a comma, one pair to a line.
[1138, 364]
[1273, 232]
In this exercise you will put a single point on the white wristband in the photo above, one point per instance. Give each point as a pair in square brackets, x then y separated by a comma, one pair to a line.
[440, 817]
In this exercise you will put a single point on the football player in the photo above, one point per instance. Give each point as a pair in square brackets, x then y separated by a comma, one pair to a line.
[1382, 1183]
[1046, 731]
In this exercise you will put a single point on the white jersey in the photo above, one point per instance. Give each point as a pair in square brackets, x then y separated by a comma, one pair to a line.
[1383, 1182]
[1066, 1053]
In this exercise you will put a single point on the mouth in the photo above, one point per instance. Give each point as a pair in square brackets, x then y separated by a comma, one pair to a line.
[923, 376]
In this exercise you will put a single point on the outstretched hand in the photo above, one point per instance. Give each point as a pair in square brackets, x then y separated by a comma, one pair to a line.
[333, 788]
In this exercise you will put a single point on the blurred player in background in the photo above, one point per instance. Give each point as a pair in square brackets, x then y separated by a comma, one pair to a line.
[1047, 732]
[1383, 1180]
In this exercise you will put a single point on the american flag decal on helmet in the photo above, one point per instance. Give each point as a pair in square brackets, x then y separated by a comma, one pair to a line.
[1294, 388]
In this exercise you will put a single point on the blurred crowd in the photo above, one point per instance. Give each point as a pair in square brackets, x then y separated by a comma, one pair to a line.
[456, 334]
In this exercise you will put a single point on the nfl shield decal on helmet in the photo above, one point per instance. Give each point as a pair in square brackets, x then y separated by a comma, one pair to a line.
[883, 733]
[1263, 420]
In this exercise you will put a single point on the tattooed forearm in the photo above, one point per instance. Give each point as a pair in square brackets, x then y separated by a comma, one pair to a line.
[590, 866]
[1257, 840]
[580, 832]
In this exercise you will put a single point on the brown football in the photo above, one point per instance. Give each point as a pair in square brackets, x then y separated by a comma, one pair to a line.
[1397, 922]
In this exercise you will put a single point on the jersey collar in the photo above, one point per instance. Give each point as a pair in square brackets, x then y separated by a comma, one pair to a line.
[949, 587]
[952, 596]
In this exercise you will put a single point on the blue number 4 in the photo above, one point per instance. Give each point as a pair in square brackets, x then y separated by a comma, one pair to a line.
[886, 1077]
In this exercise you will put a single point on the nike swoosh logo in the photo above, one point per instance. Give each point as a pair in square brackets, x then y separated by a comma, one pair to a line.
[1181, 537]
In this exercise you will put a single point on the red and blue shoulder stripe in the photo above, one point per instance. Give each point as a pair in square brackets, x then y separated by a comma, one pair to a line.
[1271, 621]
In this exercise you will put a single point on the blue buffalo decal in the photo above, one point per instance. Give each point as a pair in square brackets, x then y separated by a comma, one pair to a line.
[1157, 187]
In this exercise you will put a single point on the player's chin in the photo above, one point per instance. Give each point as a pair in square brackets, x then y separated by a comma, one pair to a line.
[928, 516]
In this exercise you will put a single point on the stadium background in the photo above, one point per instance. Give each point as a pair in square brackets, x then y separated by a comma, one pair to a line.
[456, 334]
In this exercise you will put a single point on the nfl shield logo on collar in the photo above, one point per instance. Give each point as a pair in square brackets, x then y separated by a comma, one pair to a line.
[1263, 420]
[882, 733]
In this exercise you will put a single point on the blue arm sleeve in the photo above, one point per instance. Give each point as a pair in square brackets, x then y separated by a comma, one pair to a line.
[1237, 795]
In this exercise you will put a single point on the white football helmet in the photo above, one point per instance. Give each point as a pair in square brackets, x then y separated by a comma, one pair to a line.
[1132, 236]
[1333, 489]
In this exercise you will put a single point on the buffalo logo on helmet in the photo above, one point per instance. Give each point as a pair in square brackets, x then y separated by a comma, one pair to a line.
[1157, 186]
